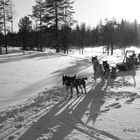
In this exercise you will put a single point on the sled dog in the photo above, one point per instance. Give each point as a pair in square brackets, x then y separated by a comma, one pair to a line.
[73, 82]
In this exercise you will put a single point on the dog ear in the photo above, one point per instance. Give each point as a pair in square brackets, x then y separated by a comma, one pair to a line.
[75, 76]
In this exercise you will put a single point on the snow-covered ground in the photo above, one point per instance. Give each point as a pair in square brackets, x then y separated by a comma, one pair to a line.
[109, 111]
[25, 75]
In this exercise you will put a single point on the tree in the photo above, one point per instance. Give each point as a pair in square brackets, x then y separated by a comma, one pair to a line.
[55, 10]
[68, 12]
[1, 41]
[135, 32]
[4, 5]
[38, 15]
[96, 34]
[67, 22]
[46, 12]
[25, 26]
[64, 39]
[82, 36]
[58, 13]
[11, 15]
[107, 33]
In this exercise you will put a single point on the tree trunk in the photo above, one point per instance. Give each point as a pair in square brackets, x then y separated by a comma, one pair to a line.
[108, 49]
[41, 48]
[0, 50]
[12, 44]
[111, 48]
[5, 38]
[56, 27]
[6, 44]
[82, 50]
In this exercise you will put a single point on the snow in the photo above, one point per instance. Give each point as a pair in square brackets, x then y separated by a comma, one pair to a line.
[24, 76]
[34, 106]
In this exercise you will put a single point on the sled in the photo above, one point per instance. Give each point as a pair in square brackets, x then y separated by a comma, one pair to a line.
[128, 61]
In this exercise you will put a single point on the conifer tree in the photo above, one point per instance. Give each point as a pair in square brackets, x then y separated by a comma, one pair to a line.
[37, 15]
[25, 26]
[4, 4]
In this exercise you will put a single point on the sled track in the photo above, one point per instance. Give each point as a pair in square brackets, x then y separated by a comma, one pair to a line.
[12, 129]
[28, 119]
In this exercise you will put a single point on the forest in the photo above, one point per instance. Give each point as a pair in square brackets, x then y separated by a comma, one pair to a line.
[52, 25]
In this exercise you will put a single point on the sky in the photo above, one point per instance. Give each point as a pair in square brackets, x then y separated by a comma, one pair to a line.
[89, 11]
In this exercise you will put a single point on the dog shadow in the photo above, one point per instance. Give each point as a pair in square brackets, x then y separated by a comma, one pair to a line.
[68, 114]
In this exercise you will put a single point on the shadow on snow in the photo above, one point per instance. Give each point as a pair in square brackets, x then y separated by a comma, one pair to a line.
[68, 113]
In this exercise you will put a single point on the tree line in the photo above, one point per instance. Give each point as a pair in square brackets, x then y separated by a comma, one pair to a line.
[51, 25]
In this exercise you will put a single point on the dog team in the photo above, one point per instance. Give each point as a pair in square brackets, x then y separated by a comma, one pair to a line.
[102, 71]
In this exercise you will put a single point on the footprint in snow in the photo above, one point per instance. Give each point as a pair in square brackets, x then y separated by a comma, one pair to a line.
[112, 105]
[130, 100]
[118, 106]
[104, 111]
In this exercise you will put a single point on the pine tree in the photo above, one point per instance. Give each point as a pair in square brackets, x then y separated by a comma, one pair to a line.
[10, 18]
[59, 14]
[82, 36]
[4, 4]
[107, 33]
[67, 22]
[38, 15]
[25, 26]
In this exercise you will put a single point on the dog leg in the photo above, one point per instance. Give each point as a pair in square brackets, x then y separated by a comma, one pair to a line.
[77, 91]
[71, 92]
[95, 76]
[81, 88]
[67, 91]
[106, 75]
[85, 90]
[84, 86]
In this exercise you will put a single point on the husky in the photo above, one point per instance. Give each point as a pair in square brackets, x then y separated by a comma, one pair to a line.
[106, 69]
[68, 81]
[98, 69]
[73, 82]
[80, 83]
[113, 72]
